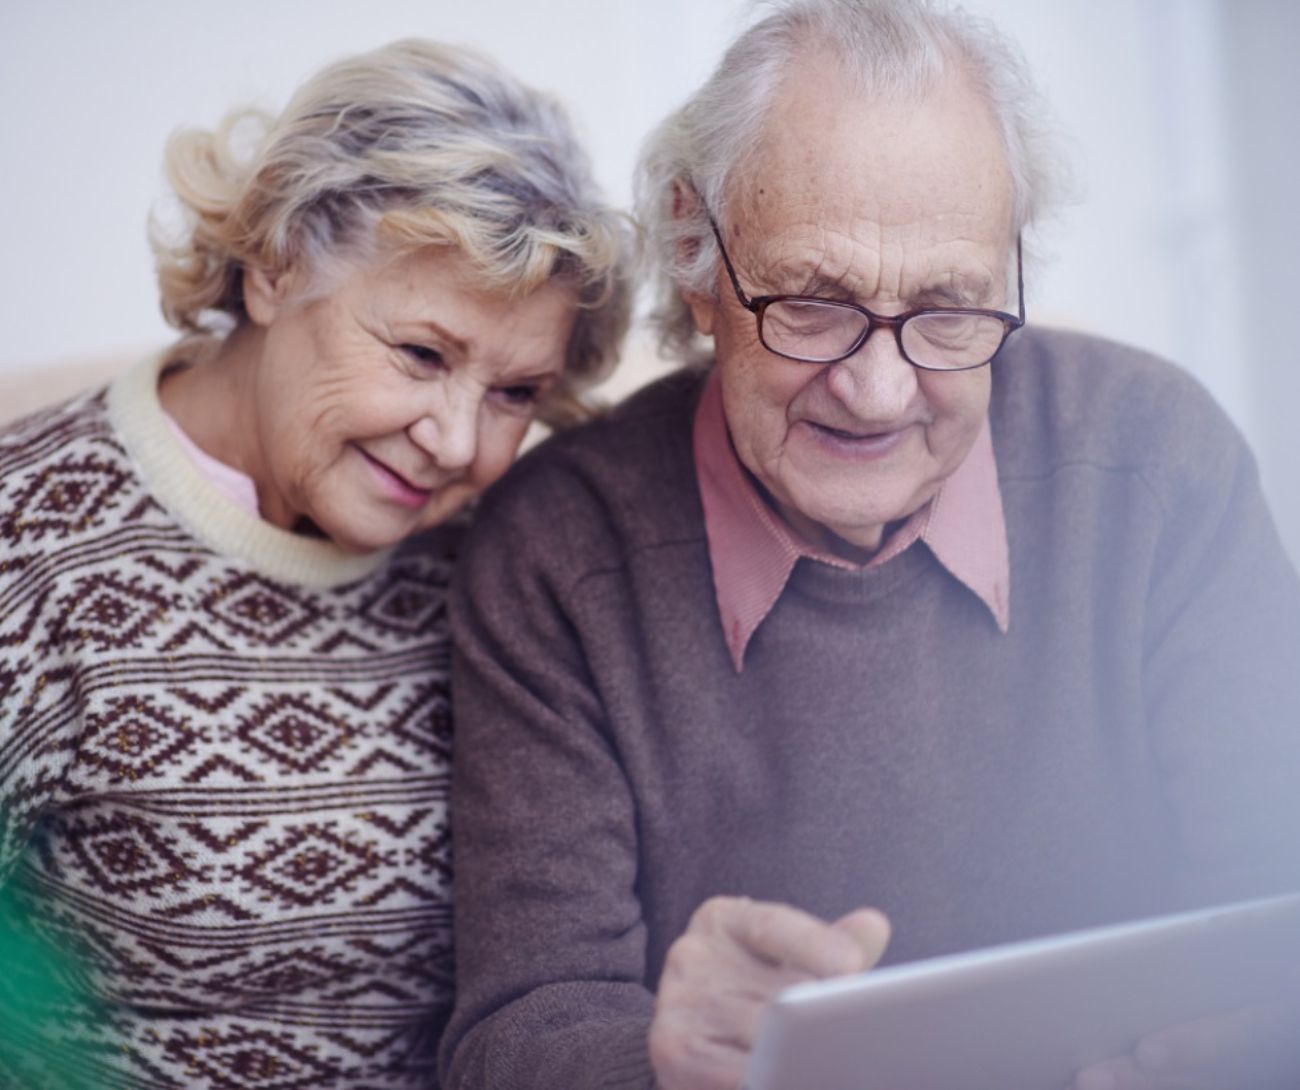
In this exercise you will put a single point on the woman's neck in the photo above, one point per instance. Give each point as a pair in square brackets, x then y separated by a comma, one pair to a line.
[214, 402]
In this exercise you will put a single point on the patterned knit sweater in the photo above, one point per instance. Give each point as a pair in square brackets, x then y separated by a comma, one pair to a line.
[223, 771]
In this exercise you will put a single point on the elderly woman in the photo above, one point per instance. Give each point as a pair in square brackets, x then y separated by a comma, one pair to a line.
[224, 724]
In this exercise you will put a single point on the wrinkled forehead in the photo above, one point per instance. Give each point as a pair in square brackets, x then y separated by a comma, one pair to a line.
[930, 158]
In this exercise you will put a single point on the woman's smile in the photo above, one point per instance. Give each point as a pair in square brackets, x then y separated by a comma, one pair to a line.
[393, 485]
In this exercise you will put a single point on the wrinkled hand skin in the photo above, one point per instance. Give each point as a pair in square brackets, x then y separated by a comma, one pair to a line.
[1255, 1048]
[734, 957]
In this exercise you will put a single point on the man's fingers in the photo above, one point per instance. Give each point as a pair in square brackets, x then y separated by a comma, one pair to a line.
[783, 936]
[1258, 1044]
[869, 928]
[722, 987]
[683, 1057]
[1208, 1040]
[1253, 1047]
[733, 959]
[1124, 1073]
[1121, 1073]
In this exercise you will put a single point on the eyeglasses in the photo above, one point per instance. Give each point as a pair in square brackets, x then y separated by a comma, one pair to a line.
[812, 330]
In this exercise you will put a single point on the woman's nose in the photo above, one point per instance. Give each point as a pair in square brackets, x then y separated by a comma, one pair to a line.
[448, 433]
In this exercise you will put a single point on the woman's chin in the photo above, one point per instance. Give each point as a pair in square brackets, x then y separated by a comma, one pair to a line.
[352, 536]
[384, 528]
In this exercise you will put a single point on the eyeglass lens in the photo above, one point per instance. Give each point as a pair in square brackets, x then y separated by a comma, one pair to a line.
[819, 331]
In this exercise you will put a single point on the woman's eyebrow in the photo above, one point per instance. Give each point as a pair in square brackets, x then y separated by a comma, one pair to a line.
[442, 333]
[541, 376]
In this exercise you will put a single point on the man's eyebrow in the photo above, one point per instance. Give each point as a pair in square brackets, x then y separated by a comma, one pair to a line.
[827, 287]
[809, 282]
[954, 290]
[957, 292]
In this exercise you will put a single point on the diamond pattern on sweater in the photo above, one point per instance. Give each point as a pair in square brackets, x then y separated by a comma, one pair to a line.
[229, 1060]
[63, 497]
[123, 855]
[310, 864]
[128, 737]
[228, 792]
[293, 731]
[109, 612]
[254, 608]
[404, 605]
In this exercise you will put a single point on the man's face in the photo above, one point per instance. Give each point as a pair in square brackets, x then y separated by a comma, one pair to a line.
[890, 205]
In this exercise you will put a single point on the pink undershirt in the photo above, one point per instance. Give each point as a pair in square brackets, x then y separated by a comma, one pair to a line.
[753, 550]
[235, 486]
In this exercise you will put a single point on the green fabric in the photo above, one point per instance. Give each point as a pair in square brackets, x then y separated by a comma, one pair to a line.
[38, 991]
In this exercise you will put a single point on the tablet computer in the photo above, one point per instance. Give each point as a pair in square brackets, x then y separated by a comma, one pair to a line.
[1027, 1015]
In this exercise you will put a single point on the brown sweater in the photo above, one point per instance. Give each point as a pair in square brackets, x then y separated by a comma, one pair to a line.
[1130, 746]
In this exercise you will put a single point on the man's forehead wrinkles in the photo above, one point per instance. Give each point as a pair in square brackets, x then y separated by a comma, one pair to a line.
[858, 266]
[812, 272]
[816, 251]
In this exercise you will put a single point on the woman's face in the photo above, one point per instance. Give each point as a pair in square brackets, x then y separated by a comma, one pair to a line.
[380, 408]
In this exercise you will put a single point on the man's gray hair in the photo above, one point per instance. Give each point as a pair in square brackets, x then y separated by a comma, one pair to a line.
[894, 48]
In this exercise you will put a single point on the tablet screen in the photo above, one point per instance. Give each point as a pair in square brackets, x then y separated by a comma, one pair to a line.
[1029, 1014]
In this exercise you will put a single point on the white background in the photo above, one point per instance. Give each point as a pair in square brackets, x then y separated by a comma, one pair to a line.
[1179, 116]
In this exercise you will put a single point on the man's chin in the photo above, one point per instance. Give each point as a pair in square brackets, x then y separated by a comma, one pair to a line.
[857, 520]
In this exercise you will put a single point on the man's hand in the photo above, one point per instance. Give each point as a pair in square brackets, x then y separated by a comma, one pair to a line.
[1256, 1048]
[733, 959]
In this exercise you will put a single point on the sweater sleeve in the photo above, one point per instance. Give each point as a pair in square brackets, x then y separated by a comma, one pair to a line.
[39, 730]
[1223, 666]
[40, 709]
[550, 943]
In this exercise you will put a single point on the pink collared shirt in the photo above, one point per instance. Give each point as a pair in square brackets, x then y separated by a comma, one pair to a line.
[753, 550]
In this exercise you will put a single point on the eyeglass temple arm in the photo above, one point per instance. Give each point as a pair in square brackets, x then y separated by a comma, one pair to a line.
[1020, 279]
[745, 300]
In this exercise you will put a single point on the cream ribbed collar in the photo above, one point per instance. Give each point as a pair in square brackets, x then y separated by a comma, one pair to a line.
[181, 488]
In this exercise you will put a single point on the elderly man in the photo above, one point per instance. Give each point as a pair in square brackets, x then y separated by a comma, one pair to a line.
[892, 611]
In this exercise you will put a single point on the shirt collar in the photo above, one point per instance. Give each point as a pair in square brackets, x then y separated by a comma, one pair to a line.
[753, 550]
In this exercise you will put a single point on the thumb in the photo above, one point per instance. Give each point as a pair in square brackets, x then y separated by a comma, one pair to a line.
[869, 928]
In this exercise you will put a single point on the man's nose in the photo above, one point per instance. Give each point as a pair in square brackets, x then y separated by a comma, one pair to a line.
[875, 383]
[448, 431]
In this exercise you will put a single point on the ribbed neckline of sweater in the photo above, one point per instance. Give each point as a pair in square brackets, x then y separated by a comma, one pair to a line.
[136, 414]
[815, 579]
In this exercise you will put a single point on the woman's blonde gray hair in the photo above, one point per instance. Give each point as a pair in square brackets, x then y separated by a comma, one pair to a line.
[886, 47]
[415, 144]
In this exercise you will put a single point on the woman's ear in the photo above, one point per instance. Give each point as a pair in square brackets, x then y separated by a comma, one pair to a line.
[686, 205]
[264, 294]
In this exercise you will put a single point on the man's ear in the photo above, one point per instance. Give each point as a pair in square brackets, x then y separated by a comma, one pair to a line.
[703, 307]
[264, 293]
[686, 205]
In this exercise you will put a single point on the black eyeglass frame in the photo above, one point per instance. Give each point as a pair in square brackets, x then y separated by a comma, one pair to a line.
[757, 304]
